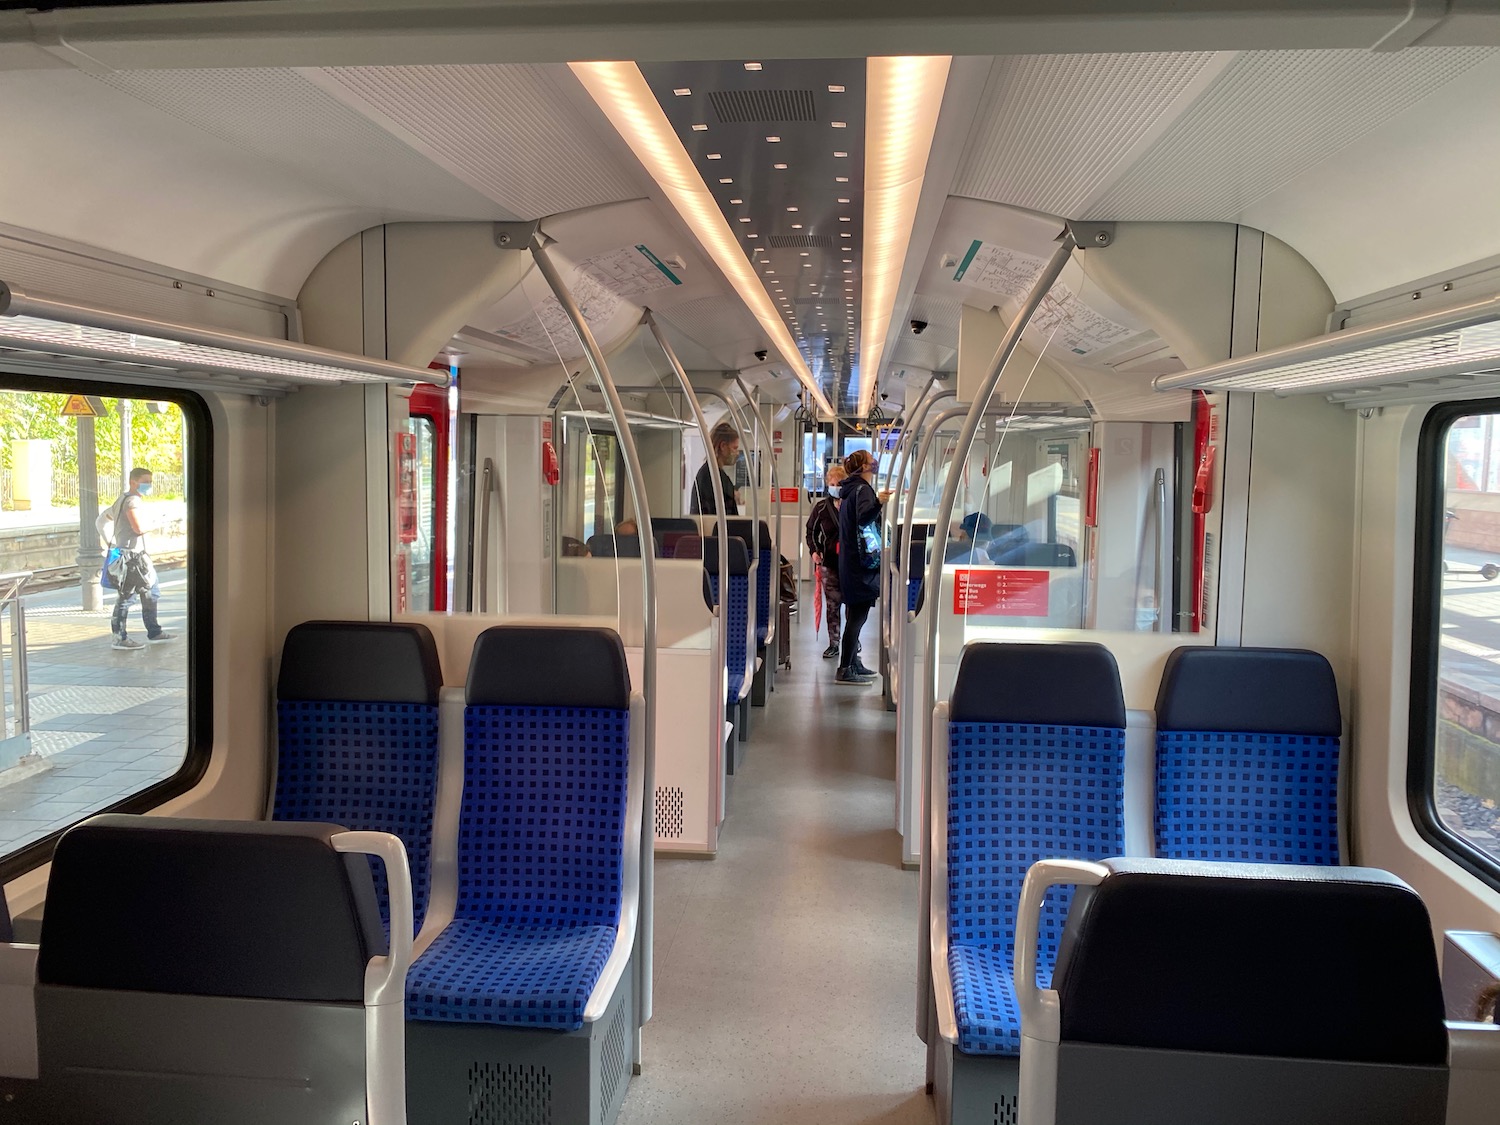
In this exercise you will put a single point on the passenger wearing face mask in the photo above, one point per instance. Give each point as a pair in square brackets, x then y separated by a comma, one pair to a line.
[822, 533]
[133, 574]
[859, 559]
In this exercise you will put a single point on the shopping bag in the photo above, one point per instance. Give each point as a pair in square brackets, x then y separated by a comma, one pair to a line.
[111, 562]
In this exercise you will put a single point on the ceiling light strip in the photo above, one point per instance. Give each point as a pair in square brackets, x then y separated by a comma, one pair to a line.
[50, 325]
[903, 96]
[623, 96]
[1437, 345]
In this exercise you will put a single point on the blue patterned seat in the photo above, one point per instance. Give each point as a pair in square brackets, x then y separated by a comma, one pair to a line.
[541, 832]
[1035, 771]
[357, 737]
[765, 574]
[1247, 756]
[736, 616]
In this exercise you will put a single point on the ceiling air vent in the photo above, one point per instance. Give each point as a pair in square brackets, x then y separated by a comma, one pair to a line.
[743, 107]
[803, 241]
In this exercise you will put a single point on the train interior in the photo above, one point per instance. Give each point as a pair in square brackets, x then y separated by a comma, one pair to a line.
[424, 697]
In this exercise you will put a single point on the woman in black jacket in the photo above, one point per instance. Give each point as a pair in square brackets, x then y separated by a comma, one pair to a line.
[859, 580]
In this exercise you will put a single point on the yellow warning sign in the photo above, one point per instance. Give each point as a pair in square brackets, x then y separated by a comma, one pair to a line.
[81, 406]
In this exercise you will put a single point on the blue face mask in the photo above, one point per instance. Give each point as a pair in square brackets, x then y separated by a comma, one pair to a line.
[833, 490]
[144, 488]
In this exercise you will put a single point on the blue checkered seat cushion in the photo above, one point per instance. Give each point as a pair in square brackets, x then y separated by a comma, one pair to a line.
[1247, 757]
[913, 594]
[736, 621]
[357, 737]
[1022, 788]
[540, 869]
[371, 767]
[763, 578]
[1018, 793]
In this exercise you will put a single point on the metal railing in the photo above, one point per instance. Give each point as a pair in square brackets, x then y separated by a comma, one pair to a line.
[10, 594]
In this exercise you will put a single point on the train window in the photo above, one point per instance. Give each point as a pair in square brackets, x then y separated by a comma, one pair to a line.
[1455, 766]
[102, 591]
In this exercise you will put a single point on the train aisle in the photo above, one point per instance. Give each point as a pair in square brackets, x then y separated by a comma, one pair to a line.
[785, 967]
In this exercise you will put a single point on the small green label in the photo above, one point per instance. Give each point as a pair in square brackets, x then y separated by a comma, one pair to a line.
[657, 262]
[969, 257]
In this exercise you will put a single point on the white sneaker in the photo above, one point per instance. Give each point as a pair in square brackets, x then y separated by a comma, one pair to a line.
[127, 644]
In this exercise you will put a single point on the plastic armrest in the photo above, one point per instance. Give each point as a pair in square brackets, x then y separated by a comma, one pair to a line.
[1038, 1006]
[385, 983]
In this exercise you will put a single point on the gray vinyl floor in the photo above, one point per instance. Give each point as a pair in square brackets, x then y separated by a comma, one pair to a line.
[785, 967]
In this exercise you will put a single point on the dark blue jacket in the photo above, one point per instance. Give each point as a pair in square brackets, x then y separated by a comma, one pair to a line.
[858, 505]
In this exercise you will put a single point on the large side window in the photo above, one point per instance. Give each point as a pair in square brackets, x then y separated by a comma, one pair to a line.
[103, 604]
[1455, 765]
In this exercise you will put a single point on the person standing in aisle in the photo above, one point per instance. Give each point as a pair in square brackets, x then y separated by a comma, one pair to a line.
[859, 559]
[725, 442]
[137, 574]
[822, 533]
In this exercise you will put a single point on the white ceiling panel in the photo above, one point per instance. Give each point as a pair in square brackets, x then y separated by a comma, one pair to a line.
[1053, 130]
[505, 130]
[279, 116]
[1271, 116]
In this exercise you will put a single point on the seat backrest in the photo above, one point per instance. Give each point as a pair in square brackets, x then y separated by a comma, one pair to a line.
[688, 547]
[735, 600]
[620, 546]
[1035, 770]
[661, 525]
[209, 908]
[1247, 760]
[1194, 956]
[746, 529]
[357, 736]
[1032, 554]
[546, 764]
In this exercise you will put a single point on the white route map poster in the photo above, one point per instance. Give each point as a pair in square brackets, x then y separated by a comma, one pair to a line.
[630, 271]
[1010, 274]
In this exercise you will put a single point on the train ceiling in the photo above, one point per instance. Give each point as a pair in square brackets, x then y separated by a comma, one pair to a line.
[1364, 162]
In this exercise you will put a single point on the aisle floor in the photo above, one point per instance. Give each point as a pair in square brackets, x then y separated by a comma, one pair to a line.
[786, 966]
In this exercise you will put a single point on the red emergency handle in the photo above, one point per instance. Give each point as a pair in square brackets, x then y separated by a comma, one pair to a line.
[551, 473]
[1203, 481]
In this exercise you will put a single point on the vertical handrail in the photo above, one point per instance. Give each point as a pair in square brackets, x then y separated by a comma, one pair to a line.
[738, 422]
[774, 578]
[907, 410]
[919, 415]
[1039, 290]
[721, 521]
[20, 680]
[646, 922]
[487, 486]
[1158, 578]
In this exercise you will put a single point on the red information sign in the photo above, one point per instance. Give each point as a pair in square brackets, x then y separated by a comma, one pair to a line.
[1001, 593]
[790, 495]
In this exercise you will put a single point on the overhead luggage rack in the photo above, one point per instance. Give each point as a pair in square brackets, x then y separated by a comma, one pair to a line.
[36, 329]
[1414, 357]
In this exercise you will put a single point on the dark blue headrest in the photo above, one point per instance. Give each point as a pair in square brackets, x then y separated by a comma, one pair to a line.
[688, 547]
[738, 559]
[1252, 959]
[543, 666]
[1256, 690]
[1075, 684]
[262, 909]
[660, 525]
[360, 662]
[608, 546]
[745, 529]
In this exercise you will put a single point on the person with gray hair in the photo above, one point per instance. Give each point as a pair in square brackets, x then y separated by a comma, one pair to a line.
[725, 442]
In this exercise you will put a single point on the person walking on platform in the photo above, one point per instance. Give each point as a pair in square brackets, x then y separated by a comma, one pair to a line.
[136, 577]
[859, 559]
[726, 451]
[822, 534]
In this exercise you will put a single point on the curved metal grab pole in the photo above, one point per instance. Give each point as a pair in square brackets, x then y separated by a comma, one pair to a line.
[721, 520]
[902, 441]
[919, 415]
[646, 922]
[1039, 290]
[909, 513]
[775, 577]
[737, 421]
